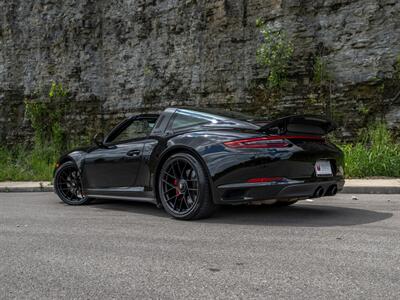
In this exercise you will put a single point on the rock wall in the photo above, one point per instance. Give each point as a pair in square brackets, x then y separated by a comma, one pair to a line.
[125, 56]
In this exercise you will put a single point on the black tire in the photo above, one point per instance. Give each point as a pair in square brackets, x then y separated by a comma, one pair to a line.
[284, 203]
[68, 184]
[184, 189]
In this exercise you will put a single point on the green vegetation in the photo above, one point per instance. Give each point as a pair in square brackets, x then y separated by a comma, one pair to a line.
[23, 164]
[321, 84]
[376, 154]
[275, 53]
[321, 76]
[48, 117]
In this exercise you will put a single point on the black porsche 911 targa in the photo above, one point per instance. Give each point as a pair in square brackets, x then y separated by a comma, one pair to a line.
[189, 161]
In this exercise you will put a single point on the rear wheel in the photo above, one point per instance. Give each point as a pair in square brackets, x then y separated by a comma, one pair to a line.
[68, 184]
[184, 189]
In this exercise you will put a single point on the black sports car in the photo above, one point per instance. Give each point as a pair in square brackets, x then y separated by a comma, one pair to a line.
[191, 160]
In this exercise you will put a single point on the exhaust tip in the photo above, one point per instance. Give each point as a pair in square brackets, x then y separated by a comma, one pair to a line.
[319, 192]
[332, 190]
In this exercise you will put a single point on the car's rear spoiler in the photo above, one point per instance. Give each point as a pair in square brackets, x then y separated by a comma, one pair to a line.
[304, 124]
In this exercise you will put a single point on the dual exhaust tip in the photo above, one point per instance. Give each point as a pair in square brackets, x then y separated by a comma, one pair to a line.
[331, 191]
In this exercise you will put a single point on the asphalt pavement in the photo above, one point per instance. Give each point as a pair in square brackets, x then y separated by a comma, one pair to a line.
[332, 248]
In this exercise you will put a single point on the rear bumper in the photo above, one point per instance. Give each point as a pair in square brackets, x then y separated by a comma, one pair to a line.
[249, 192]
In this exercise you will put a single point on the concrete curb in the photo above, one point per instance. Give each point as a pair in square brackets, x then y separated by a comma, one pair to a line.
[371, 190]
[372, 186]
[25, 186]
[26, 189]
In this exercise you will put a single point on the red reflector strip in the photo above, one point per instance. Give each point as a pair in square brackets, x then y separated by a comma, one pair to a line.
[273, 141]
[254, 145]
[265, 179]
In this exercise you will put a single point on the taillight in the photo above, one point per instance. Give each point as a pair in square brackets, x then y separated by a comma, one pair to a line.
[273, 141]
[259, 142]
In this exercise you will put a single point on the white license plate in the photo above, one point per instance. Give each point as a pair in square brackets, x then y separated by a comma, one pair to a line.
[323, 168]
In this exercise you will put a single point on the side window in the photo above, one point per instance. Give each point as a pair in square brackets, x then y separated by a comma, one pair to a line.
[183, 120]
[137, 129]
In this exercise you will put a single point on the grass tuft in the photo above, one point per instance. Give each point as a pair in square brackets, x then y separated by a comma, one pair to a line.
[22, 164]
[376, 154]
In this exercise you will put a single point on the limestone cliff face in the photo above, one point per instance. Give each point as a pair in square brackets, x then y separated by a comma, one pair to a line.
[125, 56]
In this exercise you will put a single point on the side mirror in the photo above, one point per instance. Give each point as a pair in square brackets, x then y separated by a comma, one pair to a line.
[99, 139]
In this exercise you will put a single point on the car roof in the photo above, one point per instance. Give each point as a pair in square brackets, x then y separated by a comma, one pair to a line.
[218, 112]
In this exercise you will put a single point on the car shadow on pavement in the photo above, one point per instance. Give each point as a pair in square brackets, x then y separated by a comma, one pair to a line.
[301, 215]
[131, 206]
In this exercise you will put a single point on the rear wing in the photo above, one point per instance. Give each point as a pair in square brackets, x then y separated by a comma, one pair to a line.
[304, 124]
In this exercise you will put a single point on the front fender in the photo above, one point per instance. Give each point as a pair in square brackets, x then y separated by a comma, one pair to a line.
[75, 156]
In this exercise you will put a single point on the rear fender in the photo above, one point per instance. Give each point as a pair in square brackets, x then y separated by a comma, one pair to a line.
[177, 148]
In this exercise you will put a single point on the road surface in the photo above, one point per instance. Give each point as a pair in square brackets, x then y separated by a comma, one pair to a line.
[331, 248]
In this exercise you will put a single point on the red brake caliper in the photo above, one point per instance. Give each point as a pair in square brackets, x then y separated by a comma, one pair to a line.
[177, 191]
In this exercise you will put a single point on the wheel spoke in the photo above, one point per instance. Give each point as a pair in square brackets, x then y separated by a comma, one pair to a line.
[180, 205]
[176, 200]
[176, 169]
[179, 168]
[172, 176]
[191, 196]
[64, 176]
[167, 191]
[173, 170]
[183, 170]
[65, 189]
[166, 182]
[186, 202]
[172, 197]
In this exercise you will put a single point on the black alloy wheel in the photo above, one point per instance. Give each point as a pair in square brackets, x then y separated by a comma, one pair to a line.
[184, 189]
[68, 185]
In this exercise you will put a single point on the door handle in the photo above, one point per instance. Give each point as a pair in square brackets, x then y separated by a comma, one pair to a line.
[133, 153]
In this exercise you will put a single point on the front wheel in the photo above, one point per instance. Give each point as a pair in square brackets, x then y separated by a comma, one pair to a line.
[184, 189]
[68, 184]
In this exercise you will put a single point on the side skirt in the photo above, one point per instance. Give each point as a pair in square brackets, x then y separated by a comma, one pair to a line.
[125, 193]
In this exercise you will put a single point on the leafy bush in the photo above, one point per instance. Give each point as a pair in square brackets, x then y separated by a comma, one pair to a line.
[48, 120]
[275, 52]
[321, 76]
[47, 115]
[377, 154]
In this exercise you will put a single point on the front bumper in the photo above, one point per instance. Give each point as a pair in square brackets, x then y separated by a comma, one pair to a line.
[290, 190]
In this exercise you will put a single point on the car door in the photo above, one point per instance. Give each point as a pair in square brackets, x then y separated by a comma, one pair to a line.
[116, 165]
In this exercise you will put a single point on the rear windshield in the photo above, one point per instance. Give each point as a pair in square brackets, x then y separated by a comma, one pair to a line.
[185, 119]
[189, 118]
[229, 114]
